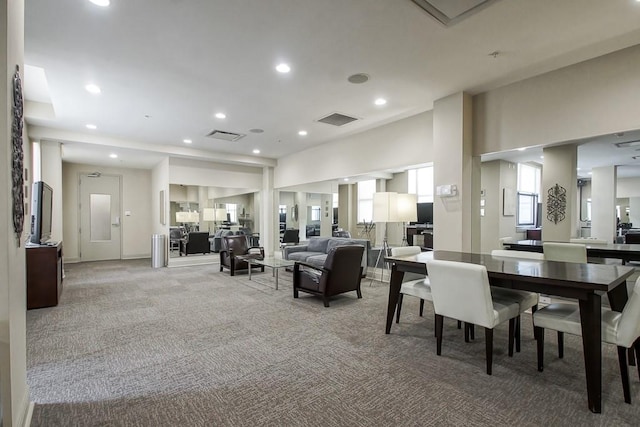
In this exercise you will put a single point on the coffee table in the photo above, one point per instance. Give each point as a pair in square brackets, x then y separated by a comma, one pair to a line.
[274, 263]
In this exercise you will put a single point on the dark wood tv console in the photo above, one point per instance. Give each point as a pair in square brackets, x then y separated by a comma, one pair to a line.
[426, 232]
[44, 275]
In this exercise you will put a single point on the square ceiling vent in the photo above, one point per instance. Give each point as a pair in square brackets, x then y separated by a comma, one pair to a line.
[337, 119]
[450, 12]
[225, 136]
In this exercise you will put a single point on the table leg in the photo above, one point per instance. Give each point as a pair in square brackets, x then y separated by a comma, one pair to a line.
[394, 290]
[275, 271]
[590, 319]
[249, 264]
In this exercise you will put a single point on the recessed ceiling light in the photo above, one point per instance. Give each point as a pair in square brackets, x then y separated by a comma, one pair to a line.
[113, 156]
[92, 127]
[590, 173]
[522, 149]
[577, 169]
[542, 157]
[187, 141]
[256, 151]
[94, 89]
[302, 133]
[221, 115]
[358, 78]
[256, 130]
[283, 68]
[380, 101]
[103, 3]
[346, 179]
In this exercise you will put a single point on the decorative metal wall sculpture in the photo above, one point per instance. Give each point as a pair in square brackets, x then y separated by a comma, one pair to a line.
[556, 203]
[17, 162]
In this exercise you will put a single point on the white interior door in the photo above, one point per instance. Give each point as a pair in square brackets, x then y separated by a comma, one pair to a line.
[99, 215]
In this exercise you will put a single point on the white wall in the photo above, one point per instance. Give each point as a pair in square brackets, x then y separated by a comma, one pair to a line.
[51, 170]
[136, 198]
[396, 145]
[192, 172]
[160, 182]
[14, 392]
[595, 97]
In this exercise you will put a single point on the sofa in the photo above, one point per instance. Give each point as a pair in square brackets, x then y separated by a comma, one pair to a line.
[315, 251]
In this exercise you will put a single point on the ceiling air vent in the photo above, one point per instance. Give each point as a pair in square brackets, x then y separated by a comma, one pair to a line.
[225, 136]
[451, 12]
[337, 119]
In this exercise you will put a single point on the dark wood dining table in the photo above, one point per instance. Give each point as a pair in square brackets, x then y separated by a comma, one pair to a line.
[584, 282]
[623, 251]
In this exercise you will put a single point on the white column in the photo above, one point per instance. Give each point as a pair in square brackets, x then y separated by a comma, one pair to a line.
[51, 171]
[326, 210]
[603, 203]
[300, 200]
[559, 169]
[456, 219]
[634, 211]
[268, 209]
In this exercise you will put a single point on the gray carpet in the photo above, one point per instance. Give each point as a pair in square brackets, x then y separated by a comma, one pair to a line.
[133, 346]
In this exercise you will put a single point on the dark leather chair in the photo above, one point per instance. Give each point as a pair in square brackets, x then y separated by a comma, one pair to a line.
[197, 242]
[175, 238]
[630, 238]
[341, 273]
[234, 246]
[290, 236]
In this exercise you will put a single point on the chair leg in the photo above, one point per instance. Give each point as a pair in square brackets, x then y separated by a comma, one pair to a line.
[326, 301]
[435, 321]
[466, 332]
[488, 338]
[636, 347]
[512, 334]
[539, 333]
[472, 331]
[359, 291]
[632, 356]
[295, 292]
[221, 268]
[560, 344]
[459, 324]
[439, 322]
[533, 310]
[421, 306]
[517, 334]
[399, 307]
[624, 373]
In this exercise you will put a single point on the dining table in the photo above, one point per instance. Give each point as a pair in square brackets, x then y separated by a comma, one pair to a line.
[623, 251]
[585, 283]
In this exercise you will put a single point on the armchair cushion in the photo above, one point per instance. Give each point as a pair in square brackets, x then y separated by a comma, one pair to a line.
[234, 246]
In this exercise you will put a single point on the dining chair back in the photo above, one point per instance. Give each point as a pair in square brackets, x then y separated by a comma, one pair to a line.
[565, 252]
[405, 250]
[517, 254]
[414, 284]
[588, 241]
[450, 280]
[629, 324]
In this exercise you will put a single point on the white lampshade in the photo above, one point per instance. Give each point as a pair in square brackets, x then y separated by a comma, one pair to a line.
[182, 217]
[407, 207]
[208, 214]
[194, 216]
[221, 214]
[385, 207]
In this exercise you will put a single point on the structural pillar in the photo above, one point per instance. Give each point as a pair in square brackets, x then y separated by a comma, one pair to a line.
[603, 203]
[559, 193]
[456, 218]
[268, 218]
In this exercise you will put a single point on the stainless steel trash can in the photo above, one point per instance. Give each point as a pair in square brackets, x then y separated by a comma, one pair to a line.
[158, 251]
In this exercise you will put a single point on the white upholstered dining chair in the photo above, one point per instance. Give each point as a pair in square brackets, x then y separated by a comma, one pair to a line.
[526, 300]
[620, 329]
[461, 291]
[565, 252]
[413, 284]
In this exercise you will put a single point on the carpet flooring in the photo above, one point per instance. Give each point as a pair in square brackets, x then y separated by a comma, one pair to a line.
[133, 346]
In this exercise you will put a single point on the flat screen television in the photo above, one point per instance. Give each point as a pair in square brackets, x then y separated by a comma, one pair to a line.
[41, 212]
[425, 213]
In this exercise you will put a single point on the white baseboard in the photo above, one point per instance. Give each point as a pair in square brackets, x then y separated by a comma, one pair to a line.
[140, 256]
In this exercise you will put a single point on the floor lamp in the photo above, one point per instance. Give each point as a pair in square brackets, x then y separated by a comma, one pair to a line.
[208, 215]
[385, 209]
[407, 212]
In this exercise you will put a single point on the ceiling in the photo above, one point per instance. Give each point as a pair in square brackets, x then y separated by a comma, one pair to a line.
[166, 67]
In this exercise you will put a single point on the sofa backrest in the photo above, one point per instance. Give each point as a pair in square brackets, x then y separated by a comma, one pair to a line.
[318, 244]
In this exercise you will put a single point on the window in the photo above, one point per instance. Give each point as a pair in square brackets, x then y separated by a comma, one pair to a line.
[232, 212]
[365, 200]
[528, 195]
[421, 183]
[315, 213]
